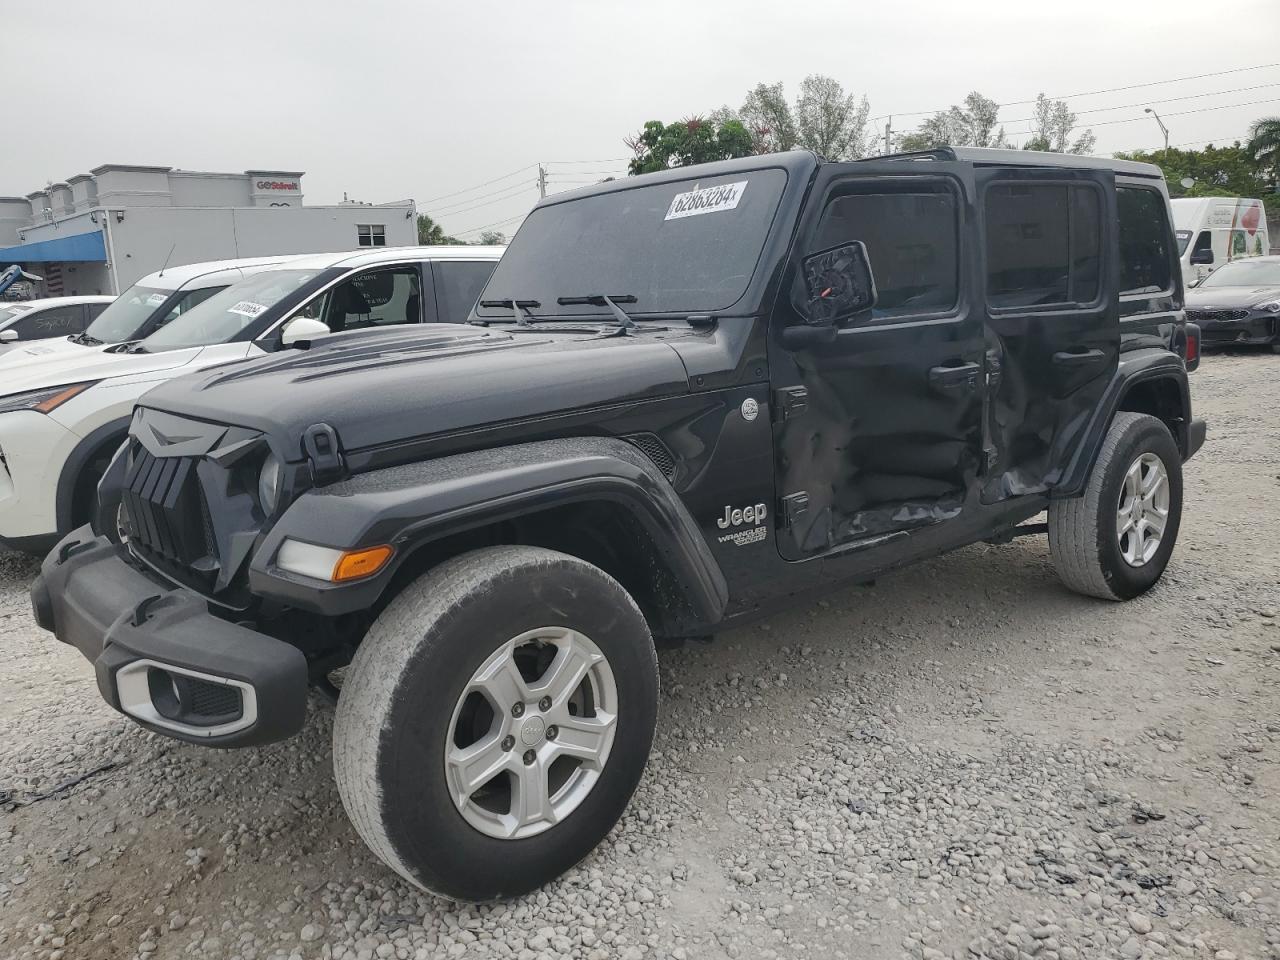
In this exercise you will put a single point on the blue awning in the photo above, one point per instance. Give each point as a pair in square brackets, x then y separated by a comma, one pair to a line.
[77, 248]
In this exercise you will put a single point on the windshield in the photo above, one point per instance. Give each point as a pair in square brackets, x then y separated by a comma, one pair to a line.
[12, 312]
[1245, 273]
[1184, 238]
[127, 315]
[687, 246]
[228, 312]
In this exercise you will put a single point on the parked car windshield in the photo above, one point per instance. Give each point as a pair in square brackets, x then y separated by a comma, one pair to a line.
[1245, 273]
[126, 315]
[13, 311]
[228, 312]
[686, 246]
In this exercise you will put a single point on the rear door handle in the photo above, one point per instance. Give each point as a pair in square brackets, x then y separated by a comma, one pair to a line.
[964, 376]
[1082, 358]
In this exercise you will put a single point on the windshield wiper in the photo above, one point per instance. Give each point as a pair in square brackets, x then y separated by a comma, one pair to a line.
[604, 300]
[519, 309]
[85, 340]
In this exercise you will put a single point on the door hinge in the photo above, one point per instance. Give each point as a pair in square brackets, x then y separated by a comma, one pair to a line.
[790, 402]
[794, 506]
[325, 453]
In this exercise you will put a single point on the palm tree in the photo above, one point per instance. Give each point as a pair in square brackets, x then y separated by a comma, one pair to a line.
[1264, 146]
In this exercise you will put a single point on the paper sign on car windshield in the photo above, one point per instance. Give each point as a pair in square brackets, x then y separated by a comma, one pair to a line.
[156, 299]
[247, 308]
[715, 199]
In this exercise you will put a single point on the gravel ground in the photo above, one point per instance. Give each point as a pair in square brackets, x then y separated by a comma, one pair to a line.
[963, 761]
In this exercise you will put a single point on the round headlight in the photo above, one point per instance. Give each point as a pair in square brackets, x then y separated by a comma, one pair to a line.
[269, 484]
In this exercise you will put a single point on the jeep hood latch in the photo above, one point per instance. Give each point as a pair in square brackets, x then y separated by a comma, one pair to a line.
[320, 442]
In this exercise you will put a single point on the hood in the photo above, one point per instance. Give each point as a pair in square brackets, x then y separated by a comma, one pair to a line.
[39, 350]
[380, 387]
[1214, 298]
[84, 363]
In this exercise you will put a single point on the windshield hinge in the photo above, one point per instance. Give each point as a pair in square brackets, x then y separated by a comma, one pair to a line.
[789, 403]
[324, 451]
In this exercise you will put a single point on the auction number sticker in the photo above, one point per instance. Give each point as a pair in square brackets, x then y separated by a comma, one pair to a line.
[707, 200]
[247, 308]
[156, 299]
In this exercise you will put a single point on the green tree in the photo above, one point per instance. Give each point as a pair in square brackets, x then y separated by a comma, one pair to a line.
[768, 118]
[492, 238]
[823, 119]
[431, 233]
[1264, 147]
[1228, 171]
[1053, 124]
[686, 142]
[975, 123]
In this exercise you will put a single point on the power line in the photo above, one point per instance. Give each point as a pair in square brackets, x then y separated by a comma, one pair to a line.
[508, 176]
[1149, 103]
[1092, 93]
[1176, 113]
[496, 223]
[498, 196]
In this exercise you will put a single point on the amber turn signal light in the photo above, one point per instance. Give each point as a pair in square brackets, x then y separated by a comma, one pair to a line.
[354, 564]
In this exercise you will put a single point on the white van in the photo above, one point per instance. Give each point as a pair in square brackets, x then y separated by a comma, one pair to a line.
[1216, 230]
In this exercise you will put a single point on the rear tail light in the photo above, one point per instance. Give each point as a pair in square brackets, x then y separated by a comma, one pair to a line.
[1191, 347]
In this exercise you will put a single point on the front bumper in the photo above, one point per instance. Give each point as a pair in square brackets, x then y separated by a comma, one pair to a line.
[161, 657]
[1257, 329]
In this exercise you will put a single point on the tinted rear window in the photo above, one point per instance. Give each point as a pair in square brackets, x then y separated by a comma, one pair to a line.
[1044, 244]
[679, 254]
[458, 284]
[1145, 264]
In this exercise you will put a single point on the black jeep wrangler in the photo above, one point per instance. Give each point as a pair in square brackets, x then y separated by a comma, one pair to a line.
[681, 401]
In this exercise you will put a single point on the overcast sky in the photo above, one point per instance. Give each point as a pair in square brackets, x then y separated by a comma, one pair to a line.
[386, 100]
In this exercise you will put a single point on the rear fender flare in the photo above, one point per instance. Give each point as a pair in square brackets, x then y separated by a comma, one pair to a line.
[413, 505]
[1140, 366]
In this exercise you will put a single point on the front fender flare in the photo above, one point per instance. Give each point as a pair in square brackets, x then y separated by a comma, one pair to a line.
[412, 505]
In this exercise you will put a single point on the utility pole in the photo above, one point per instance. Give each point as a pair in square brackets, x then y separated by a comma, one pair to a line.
[888, 135]
[542, 181]
[1163, 128]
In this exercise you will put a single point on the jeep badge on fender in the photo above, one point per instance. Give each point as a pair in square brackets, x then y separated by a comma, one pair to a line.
[736, 518]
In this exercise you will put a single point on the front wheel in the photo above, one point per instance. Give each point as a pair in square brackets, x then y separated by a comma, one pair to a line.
[1115, 541]
[495, 721]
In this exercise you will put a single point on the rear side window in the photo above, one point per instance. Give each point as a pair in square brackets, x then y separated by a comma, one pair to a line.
[1145, 259]
[185, 301]
[54, 322]
[1044, 244]
[911, 240]
[458, 284]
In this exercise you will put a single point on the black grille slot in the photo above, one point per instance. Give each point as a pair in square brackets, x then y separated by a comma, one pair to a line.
[210, 699]
[1216, 316]
[651, 445]
[193, 701]
[168, 517]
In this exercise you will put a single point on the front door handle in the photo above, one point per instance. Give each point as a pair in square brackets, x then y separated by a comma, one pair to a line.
[1082, 358]
[961, 377]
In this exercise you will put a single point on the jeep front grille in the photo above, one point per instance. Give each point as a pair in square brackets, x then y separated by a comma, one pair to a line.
[166, 510]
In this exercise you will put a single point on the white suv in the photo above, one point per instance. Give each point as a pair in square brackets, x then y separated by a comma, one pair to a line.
[26, 320]
[138, 312]
[60, 422]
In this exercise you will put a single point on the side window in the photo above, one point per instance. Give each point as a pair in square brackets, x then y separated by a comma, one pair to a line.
[1145, 259]
[54, 322]
[95, 309]
[1044, 244]
[458, 286]
[374, 299]
[912, 243]
[1204, 244]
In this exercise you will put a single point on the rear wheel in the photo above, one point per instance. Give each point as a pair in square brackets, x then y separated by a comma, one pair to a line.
[495, 721]
[1115, 541]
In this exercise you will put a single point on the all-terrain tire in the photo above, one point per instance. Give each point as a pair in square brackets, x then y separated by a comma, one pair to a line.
[1083, 537]
[399, 698]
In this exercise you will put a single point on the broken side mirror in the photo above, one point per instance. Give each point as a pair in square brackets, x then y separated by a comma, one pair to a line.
[840, 288]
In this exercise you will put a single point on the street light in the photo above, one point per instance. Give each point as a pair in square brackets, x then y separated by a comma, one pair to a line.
[1163, 128]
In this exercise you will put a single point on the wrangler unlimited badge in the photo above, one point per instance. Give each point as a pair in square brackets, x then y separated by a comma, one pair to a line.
[744, 516]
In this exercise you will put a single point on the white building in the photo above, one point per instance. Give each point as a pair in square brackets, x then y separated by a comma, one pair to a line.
[101, 231]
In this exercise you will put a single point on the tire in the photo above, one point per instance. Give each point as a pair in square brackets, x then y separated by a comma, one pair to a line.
[406, 691]
[1084, 539]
